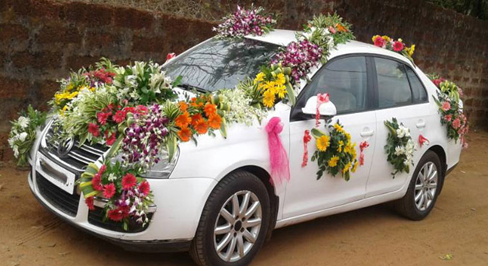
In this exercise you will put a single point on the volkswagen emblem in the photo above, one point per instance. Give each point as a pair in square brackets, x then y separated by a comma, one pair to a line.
[65, 147]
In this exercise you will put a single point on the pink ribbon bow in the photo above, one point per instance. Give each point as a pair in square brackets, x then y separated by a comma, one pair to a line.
[362, 146]
[321, 98]
[306, 140]
[280, 168]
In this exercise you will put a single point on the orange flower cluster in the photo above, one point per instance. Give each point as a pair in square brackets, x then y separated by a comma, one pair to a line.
[197, 118]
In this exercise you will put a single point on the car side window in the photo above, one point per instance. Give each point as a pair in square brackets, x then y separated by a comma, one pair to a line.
[345, 81]
[393, 85]
[418, 89]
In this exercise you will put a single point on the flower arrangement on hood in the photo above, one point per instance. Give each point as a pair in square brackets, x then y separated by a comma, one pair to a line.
[451, 113]
[243, 22]
[394, 45]
[399, 147]
[335, 153]
[128, 196]
[23, 133]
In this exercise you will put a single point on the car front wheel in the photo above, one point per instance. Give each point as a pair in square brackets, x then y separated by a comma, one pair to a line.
[234, 222]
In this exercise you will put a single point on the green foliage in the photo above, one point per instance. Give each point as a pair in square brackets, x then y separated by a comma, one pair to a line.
[399, 147]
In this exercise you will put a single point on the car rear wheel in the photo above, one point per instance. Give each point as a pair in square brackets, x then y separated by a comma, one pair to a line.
[234, 222]
[423, 190]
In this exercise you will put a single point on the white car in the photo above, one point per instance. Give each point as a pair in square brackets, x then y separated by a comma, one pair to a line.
[216, 199]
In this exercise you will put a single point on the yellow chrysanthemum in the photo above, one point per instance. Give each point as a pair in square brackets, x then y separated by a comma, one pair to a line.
[386, 38]
[271, 86]
[338, 128]
[346, 167]
[348, 137]
[69, 87]
[333, 161]
[323, 143]
[259, 77]
[268, 99]
[281, 91]
[341, 144]
[355, 167]
[280, 79]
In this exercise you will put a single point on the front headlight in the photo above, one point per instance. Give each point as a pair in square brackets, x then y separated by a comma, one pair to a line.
[164, 168]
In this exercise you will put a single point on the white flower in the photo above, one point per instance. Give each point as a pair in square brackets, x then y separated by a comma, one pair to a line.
[112, 177]
[11, 141]
[23, 121]
[16, 151]
[23, 136]
[399, 150]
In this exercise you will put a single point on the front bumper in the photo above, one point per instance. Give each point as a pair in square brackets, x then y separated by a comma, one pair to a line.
[179, 205]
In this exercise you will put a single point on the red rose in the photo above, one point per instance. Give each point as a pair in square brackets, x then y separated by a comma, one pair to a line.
[144, 188]
[398, 46]
[89, 203]
[109, 190]
[119, 116]
[102, 118]
[129, 181]
[97, 182]
[94, 129]
[379, 41]
[170, 56]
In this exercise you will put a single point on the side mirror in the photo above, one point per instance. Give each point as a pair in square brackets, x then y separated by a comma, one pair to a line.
[327, 109]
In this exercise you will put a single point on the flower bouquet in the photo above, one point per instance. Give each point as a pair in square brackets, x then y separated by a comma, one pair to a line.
[399, 147]
[394, 45]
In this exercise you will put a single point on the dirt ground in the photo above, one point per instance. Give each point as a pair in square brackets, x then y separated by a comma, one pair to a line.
[455, 233]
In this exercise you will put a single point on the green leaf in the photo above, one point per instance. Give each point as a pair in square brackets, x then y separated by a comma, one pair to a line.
[316, 133]
[172, 146]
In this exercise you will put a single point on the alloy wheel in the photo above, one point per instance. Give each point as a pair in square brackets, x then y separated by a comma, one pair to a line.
[237, 226]
[426, 186]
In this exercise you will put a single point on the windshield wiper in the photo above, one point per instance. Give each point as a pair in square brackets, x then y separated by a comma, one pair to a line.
[189, 87]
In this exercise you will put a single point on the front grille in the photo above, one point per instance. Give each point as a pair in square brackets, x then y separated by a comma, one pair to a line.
[96, 218]
[79, 156]
[57, 197]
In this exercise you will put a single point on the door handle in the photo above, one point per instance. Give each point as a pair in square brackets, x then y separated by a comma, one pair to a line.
[421, 124]
[366, 133]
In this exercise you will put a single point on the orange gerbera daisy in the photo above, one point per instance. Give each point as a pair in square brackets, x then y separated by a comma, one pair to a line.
[214, 121]
[183, 106]
[340, 27]
[201, 126]
[210, 109]
[196, 104]
[184, 134]
[195, 118]
[183, 120]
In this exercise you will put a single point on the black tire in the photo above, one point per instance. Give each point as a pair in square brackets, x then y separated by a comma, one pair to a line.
[406, 206]
[203, 249]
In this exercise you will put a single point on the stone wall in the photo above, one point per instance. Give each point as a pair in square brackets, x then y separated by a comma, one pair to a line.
[40, 41]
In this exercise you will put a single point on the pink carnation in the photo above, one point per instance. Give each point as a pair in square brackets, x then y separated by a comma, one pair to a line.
[398, 46]
[448, 118]
[379, 41]
[456, 123]
[446, 106]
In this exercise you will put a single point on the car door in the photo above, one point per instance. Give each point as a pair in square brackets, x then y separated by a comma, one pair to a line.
[400, 94]
[345, 79]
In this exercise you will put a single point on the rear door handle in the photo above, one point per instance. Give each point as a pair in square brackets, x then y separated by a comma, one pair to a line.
[421, 124]
[367, 133]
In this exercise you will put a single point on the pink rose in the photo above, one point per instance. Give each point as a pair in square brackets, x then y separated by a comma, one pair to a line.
[448, 118]
[456, 123]
[398, 46]
[446, 106]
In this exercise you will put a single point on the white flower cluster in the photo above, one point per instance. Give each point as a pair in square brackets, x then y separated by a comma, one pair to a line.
[408, 149]
[240, 109]
[18, 134]
[135, 75]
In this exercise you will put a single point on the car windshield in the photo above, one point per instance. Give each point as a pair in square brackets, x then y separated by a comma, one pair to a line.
[218, 64]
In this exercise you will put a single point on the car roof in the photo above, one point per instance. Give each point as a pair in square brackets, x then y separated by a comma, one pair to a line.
[284, 37]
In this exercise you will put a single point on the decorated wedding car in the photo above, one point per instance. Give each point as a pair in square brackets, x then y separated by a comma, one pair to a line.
[249, 131]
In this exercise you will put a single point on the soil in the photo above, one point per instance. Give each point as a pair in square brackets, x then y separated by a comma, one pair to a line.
[455, 233]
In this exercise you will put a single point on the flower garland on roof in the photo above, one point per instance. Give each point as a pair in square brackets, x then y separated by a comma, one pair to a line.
[394, 45]
[243, 22]
[399, 147]
[451, 113]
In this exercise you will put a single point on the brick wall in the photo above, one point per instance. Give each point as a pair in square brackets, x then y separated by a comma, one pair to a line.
[41, 41]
